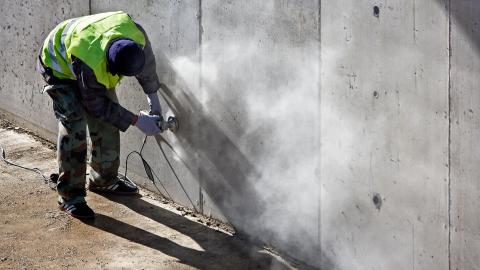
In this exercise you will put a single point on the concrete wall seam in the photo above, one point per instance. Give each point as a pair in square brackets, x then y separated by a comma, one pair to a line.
[200, 37]
[318, 172]
[449, 12]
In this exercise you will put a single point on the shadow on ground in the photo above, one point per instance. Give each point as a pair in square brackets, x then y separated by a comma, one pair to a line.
[221, 251]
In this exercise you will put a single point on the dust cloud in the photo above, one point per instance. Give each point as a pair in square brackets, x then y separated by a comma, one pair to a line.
[266, 100]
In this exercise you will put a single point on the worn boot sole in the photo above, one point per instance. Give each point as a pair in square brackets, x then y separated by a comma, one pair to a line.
[76, 216]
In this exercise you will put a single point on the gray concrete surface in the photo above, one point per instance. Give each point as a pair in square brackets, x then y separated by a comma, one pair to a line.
[385, 135]
[465, 132]
[24, 26]
[259, 86]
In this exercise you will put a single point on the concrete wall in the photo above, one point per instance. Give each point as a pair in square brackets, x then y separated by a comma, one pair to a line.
[341, 132]
[24, 26]
[465, 132]
[260, 83]
[385, 134]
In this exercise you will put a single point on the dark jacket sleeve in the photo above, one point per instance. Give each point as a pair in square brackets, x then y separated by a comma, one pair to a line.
[148, 78]
[95, 100]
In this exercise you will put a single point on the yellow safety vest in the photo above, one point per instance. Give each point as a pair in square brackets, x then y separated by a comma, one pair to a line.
[88, 38]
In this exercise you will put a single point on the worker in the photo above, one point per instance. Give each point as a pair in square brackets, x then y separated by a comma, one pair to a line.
[83, 60]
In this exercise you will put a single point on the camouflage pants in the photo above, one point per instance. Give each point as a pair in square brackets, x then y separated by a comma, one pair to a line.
[74, 124]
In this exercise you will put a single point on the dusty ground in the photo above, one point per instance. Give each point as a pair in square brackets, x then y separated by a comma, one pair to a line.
[127, 233]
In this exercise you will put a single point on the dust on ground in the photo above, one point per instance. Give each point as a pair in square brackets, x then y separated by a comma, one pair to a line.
[128, 232]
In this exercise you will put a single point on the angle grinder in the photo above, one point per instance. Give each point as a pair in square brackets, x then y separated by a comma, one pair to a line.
[171, 123]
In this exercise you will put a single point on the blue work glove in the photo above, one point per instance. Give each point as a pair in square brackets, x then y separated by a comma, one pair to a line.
[154, 103]
[148, 124]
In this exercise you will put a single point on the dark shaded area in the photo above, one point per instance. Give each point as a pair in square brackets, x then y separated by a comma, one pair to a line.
[376, 11]
[377, 200]
[464, 44]
[221, 251]
[223, 171]
[210, 155]
[464, 14]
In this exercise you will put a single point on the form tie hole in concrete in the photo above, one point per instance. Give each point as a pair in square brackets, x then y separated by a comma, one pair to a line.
[376, 11]
[377, 201]
[375, 94]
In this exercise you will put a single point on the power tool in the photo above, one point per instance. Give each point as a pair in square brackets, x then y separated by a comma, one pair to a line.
[171, 123]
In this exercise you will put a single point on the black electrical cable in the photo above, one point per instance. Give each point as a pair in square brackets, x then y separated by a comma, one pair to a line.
[46, 180]
[176, 177]
[148, 170]
[152, 175]
[51, 182]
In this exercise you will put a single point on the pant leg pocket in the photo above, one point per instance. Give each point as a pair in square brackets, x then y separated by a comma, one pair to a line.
[66, 105]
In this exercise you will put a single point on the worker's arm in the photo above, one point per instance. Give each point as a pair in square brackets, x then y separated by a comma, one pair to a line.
[95, 100]
[148, 78]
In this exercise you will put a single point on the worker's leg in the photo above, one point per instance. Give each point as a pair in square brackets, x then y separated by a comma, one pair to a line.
[72, 146]
[71, 154]
[105, 152]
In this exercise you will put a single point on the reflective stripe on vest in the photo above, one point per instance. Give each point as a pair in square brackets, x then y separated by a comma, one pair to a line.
[53, 55]
[62, 48]
[88, 38]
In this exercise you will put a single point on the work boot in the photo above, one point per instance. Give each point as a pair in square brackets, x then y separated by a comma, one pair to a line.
[120, 187]
[77, 210]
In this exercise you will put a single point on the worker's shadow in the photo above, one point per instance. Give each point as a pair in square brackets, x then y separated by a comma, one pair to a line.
[221, 250]
[209, 154]
[223, 170]
[213, 158]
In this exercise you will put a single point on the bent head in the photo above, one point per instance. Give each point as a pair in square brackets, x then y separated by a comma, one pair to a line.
[125, 57]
